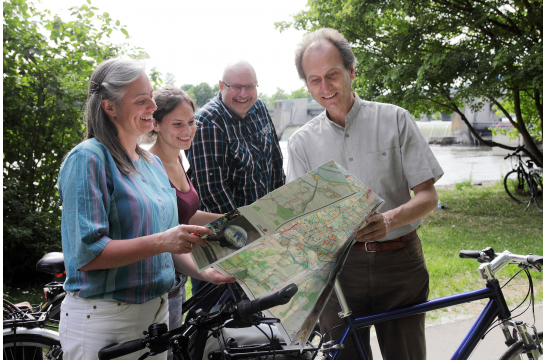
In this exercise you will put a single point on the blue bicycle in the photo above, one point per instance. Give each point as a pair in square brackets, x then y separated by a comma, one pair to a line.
[520, 340]
[226, 310]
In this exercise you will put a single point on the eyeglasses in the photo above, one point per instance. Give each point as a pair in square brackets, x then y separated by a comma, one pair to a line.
[238, 88]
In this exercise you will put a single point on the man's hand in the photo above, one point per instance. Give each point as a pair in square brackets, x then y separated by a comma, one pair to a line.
[377, 228]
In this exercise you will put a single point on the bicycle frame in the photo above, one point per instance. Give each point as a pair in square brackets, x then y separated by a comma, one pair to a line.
[495, 308]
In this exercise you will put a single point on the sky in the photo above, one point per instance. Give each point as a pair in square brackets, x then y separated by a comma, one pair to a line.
[194, 40]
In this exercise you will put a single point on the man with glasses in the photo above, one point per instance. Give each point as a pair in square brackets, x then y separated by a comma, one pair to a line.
[235, 157]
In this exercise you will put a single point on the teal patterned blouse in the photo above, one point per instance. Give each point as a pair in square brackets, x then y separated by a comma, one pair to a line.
[99, 204]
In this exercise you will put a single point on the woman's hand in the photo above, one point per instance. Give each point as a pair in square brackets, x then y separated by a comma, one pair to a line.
[215, 277]
[182, 238]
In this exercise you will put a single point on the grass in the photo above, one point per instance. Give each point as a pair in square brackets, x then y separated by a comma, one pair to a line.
[478, 217]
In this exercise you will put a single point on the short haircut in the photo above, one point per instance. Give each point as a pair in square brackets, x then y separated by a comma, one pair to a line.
[334, 37]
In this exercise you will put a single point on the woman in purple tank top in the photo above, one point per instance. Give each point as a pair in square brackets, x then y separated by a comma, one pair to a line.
[174, 128]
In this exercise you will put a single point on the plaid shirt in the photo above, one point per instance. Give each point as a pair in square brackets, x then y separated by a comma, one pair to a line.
[234, 161]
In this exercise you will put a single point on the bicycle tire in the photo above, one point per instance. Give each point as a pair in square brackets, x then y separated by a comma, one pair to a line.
[516, 187]
[516, 349]
[29, 347]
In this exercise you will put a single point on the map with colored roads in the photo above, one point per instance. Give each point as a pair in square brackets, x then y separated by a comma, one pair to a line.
[315, 219]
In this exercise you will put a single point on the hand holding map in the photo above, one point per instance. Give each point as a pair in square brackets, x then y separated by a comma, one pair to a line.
[299, 233]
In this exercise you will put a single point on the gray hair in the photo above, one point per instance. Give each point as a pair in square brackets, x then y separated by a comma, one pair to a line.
[109, 81]
[328, 34]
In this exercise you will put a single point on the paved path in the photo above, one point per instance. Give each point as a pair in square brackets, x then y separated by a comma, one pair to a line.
[443, 340]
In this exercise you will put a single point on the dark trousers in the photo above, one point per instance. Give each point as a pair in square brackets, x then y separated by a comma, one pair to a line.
[375, 282]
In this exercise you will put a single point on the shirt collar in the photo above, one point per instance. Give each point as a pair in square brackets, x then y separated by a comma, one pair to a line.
[353, 111]
[351, 114]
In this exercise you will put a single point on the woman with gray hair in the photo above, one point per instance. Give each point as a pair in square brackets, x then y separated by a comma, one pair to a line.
[120, 234]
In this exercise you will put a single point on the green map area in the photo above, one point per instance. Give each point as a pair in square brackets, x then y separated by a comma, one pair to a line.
[317, 217]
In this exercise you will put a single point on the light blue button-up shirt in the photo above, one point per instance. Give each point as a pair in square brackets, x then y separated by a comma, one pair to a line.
[99, 204]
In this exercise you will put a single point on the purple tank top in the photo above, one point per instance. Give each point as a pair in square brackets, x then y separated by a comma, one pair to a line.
[188, 201]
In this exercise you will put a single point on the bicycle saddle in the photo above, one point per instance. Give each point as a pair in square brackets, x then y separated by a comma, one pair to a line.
[51, 263]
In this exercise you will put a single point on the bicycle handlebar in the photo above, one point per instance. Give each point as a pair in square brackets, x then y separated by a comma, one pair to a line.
[494, 262]
[116, 350]
[519, 149]
[244, 310]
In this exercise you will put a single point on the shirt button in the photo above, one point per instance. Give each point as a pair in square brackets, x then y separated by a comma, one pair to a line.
[163, 207]
[144, 180]
[167, 265]
[164, 217]
[158, 199]
[384, 154]
[351, 159]
[347, 136]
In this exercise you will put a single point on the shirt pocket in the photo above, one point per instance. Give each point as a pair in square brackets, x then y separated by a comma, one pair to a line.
[384, 169]
[241, 157]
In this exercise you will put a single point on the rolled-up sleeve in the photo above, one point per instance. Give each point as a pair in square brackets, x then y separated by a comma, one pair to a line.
[85, 199]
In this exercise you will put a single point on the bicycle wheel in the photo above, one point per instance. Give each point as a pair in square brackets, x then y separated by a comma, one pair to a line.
[516, 349]
[31, 347]
[516, 187]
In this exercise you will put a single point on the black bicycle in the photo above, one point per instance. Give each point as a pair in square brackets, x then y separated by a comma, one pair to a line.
[524, 184]
[186, 341]
[30, 332]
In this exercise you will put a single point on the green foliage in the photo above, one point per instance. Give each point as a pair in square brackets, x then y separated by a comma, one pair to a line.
[155, 78]
[530, 112]
[281, 94]
[437, 55]
[201, 93]
[47, 63]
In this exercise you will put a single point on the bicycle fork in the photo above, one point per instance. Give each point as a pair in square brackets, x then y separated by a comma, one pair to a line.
[533, 348]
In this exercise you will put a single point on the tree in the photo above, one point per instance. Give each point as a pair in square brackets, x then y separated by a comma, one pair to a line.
[300, 94]
[201, 93]
[170, 79]
[437, 55]
[47, 64]
[280, 94]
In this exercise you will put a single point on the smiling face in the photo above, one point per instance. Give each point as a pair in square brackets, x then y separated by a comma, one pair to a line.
[328, 80]
[239, 102]
[133, 116]
[178, 127]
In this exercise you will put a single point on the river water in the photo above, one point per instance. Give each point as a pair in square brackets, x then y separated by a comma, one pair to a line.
[458, 162]
[462, 162]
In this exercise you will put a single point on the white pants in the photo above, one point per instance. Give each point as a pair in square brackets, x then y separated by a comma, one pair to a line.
[86, 326]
